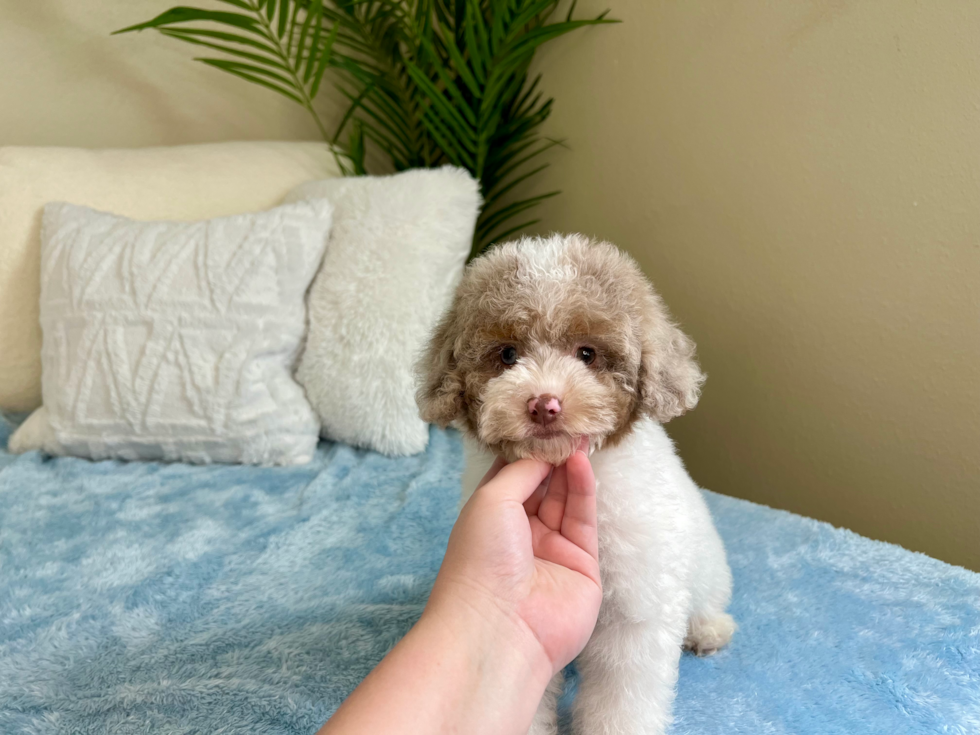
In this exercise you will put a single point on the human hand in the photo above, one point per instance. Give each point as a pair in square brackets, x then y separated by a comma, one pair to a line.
[516, 599]
[524, 552]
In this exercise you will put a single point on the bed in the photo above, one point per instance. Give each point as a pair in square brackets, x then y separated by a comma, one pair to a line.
[154, 598]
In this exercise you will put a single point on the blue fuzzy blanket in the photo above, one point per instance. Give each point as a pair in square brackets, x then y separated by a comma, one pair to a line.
[149, 598]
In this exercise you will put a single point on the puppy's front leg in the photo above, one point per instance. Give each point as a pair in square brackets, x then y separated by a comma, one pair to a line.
[628, 672]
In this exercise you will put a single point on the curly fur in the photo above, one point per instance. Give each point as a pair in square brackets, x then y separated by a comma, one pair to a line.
[665, 576]
[548, 297]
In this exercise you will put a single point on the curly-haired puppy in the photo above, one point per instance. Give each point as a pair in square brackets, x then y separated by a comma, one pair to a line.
[549, 340]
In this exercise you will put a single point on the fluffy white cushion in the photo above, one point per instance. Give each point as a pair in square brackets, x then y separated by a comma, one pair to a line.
[179, 183]
[395, 256]
[176, 341]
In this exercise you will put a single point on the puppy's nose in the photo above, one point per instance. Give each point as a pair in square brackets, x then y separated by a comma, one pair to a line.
[544, 409]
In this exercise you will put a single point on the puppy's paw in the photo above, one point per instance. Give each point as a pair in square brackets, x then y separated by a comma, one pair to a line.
[705, 635]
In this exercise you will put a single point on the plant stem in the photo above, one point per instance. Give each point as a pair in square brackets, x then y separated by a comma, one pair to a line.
[284, 57]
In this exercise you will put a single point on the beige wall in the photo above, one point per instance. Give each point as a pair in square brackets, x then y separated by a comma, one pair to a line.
[65, 81]
[800, 178]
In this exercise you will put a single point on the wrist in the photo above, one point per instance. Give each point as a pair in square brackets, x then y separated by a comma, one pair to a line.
[481, 624]
[496, 659]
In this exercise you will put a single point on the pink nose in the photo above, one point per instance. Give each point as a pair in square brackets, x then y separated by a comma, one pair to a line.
[544, 409]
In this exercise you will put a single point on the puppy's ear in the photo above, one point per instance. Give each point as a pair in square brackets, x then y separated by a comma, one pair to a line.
[670, 379]
[440, 393]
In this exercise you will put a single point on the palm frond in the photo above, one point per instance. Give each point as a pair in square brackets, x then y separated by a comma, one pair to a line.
[427, 82]
[270, 42]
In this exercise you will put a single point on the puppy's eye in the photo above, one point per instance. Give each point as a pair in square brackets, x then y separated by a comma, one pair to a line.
[508, 355]
[586, 355]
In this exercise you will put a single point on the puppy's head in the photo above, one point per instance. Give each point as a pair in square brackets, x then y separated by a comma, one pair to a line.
[549, 340]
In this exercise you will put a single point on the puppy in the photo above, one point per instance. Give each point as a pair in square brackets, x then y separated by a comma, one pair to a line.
[549, 340]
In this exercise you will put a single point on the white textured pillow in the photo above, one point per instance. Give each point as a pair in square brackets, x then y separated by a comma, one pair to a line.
[396, 253]
[175, 341]
[186, 183]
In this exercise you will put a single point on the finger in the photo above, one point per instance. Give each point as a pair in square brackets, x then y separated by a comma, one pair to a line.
[552, 508]
[516, 481]
[539, 532]
[579, 524]
[532, 504]
[498, 464]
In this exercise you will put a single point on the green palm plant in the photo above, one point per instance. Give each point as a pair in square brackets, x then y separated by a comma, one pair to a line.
[427, 82]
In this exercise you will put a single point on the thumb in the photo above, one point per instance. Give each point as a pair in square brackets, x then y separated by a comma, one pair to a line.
[516, 482]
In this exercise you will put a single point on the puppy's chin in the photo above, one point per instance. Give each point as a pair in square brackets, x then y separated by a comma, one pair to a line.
[553, 449]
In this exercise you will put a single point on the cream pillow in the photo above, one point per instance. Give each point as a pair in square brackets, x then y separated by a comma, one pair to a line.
[179, 183]
[173, 340]
[396, 253]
